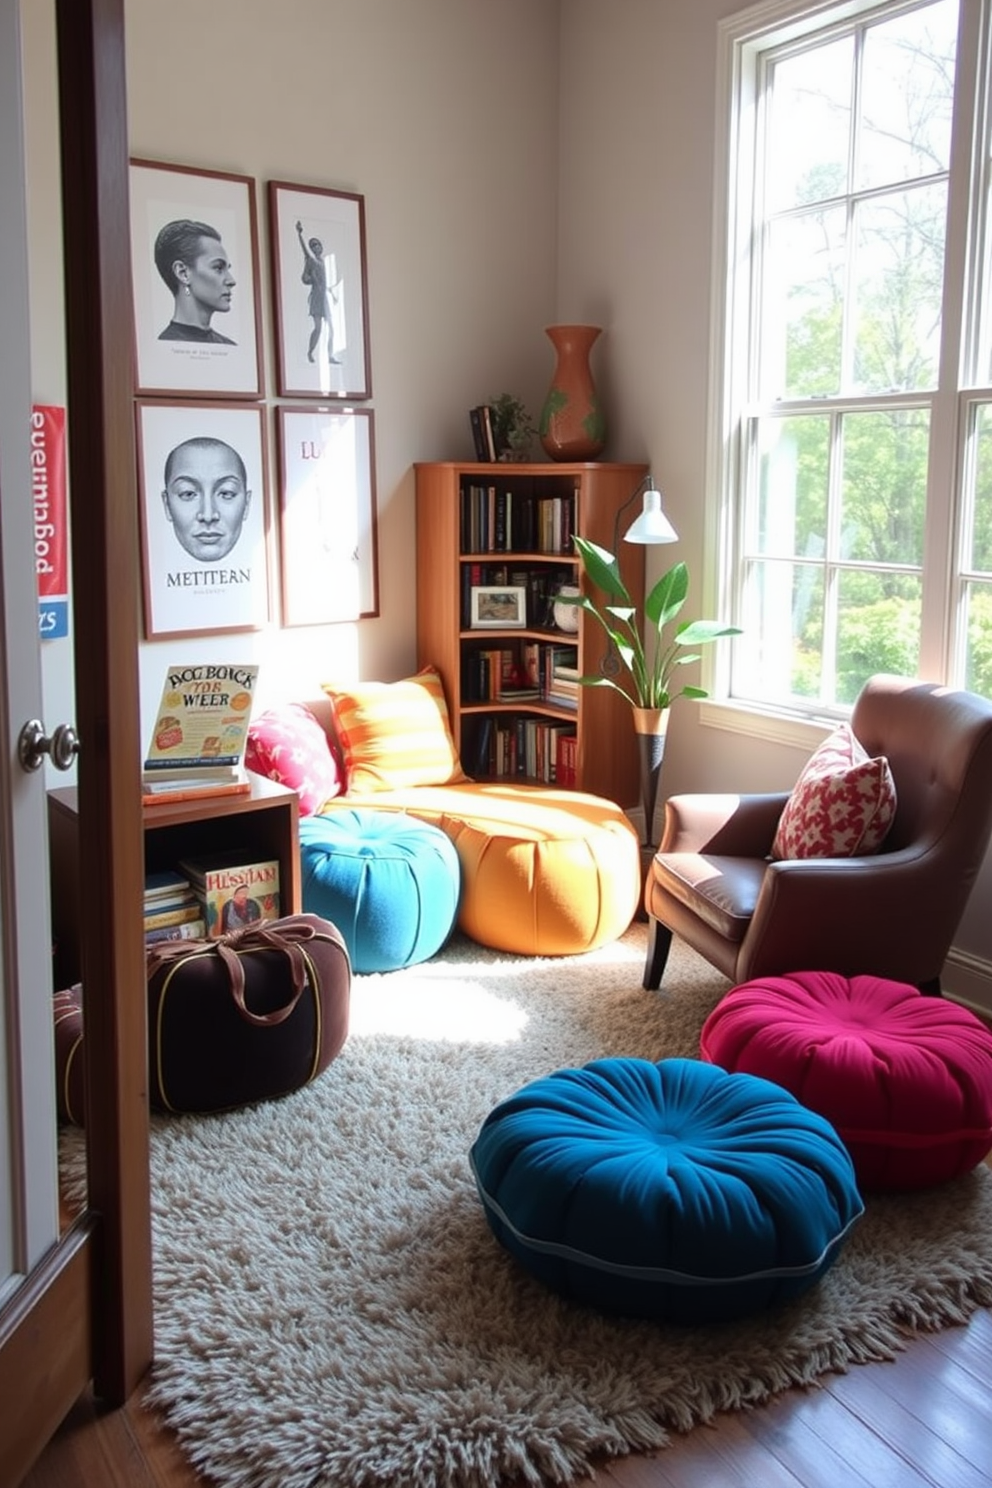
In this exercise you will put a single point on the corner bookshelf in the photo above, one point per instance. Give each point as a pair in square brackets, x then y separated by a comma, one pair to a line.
[510, 526]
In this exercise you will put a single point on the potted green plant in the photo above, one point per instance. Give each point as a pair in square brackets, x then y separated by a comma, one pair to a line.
[513, 428]
[647, 682]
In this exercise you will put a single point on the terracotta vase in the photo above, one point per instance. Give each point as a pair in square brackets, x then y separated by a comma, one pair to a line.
[572, 426]
[651, 727]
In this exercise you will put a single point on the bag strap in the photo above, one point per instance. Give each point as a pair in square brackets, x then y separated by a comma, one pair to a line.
[285, 936]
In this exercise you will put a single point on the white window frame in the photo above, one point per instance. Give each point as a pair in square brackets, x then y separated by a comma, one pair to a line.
[968, 267]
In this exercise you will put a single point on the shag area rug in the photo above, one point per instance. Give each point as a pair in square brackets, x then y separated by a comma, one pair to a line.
[332, 1310]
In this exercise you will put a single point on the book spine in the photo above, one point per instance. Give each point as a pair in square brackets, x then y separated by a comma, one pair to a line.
[487, 424]
[172, 917]
[478, 435]
[189, 930]
[193, 790]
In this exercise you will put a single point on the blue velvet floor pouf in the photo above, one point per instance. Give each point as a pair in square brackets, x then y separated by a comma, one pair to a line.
[673, 1191]
[389, 882]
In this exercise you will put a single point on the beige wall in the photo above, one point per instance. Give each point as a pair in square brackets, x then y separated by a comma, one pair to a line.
[442, 113]
[521, 163]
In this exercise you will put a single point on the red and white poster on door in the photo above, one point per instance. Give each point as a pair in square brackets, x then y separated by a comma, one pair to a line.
[51, 544]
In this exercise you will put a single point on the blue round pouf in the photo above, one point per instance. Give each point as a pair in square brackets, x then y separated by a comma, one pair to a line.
[389, 883]
[673, 1191]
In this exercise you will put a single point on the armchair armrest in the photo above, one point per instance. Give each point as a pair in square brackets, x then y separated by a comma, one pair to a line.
[876, 914]
[732, 825]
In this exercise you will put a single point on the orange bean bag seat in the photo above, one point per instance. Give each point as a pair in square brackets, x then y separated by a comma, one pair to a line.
[545, 872]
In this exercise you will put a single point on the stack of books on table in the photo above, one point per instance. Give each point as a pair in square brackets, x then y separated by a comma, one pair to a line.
[198, 741]
[172, 910]
[233, 890]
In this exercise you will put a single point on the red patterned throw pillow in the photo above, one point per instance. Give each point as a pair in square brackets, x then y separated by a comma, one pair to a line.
[842, 804]
[288, 744]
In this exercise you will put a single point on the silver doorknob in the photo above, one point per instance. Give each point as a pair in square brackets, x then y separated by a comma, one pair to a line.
[33, 744]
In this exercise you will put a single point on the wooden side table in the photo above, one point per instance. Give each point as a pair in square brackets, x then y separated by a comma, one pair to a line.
[262, 824]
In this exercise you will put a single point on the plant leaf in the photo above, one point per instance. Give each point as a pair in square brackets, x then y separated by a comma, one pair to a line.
[667, 597]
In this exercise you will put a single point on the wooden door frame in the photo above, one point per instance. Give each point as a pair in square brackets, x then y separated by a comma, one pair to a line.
[85, 1313]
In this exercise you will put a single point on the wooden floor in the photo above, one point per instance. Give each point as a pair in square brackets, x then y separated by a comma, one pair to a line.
[923, 1421]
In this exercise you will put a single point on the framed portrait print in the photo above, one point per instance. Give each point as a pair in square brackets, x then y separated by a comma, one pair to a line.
[321, 292]
[203, 476]
[499, 607]
[194, 273]
[328, 508]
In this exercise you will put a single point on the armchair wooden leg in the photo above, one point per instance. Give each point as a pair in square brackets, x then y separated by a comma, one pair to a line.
[659, 944]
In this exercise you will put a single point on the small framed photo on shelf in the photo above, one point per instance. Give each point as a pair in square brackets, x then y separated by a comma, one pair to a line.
[202, 472]
[498, 607]
[194, 272]
[328, 515]
[320, 285]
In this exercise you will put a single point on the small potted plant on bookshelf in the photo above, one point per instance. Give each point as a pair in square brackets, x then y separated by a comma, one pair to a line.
[513, 428]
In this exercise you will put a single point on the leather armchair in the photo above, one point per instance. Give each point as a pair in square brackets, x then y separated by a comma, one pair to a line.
[893, 914]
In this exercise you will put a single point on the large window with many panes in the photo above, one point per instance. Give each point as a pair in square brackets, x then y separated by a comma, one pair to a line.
[852, 431]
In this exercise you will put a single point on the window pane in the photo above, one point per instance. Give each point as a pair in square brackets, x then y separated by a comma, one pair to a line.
[809, 124]
[898, 276]
[783, 620]
[979, 548]
[978, 658]
[792, 493]
[803, 305]
[906, 96]
[884, 486]
[878, 629]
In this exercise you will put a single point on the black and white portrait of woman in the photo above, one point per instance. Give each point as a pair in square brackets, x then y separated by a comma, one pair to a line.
[197, 272]
[194, 270]
[203, 509]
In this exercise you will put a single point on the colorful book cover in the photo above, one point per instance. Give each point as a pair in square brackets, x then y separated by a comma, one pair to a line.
[202, 721]
[234, 891]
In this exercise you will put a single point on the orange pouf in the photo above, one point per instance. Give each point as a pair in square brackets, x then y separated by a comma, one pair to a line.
[544, 872]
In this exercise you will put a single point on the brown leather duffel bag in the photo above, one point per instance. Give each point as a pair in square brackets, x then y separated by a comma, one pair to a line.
[254, 1014]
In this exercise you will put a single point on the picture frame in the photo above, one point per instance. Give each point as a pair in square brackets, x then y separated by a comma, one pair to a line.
[320, 290]
[196, 296]
[498, 607]
[203, 479]
[328, 516]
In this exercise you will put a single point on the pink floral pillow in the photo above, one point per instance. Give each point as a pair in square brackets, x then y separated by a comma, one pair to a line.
[842, 804]
[288, 744]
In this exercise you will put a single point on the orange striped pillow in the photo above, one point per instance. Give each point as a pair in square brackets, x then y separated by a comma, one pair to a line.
[395, 734]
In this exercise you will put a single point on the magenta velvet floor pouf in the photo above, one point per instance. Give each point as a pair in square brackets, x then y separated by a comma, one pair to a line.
[906, 1080]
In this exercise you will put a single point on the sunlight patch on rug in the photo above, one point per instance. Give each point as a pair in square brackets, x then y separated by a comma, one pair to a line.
[332, 1311]
[425, 1007]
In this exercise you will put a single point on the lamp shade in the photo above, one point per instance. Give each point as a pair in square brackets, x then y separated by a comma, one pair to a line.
[652, 526]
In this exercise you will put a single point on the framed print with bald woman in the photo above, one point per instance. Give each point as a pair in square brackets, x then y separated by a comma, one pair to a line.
[194, 273]
[204, 528]
[321, 292]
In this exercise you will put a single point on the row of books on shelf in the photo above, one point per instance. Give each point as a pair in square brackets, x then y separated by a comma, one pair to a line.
[526, 671]
[498, 519]
[540, 587]
[204, 898]
[530, 747]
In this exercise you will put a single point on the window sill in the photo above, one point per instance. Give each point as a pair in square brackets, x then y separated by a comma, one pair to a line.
[765, 723]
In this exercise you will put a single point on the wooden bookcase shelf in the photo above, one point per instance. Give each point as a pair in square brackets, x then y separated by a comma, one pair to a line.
[264, 823]
[468, 517]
